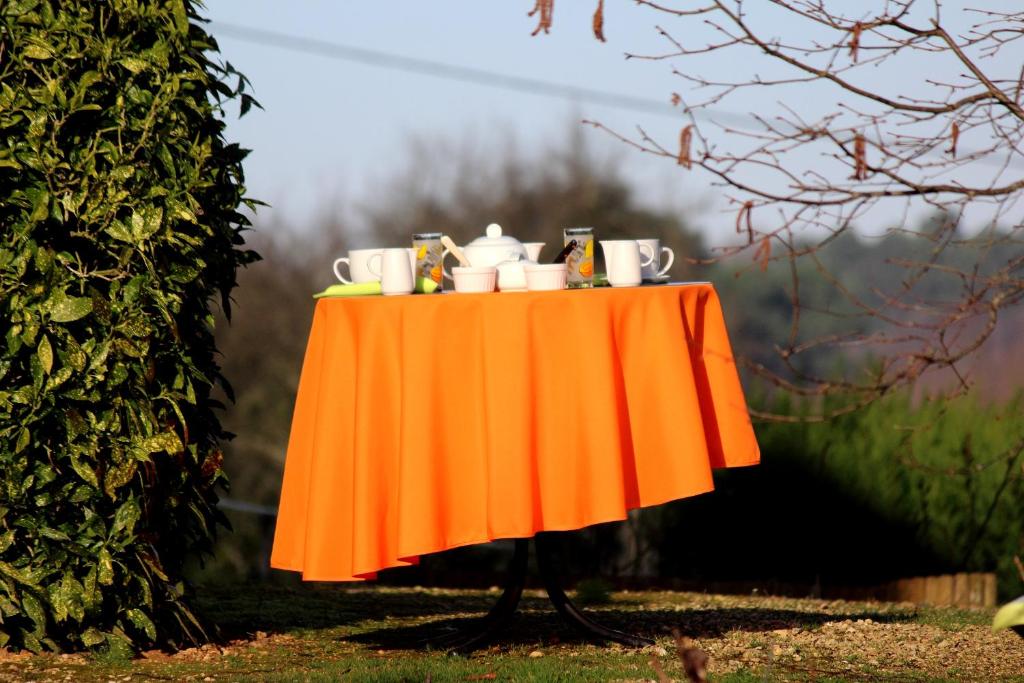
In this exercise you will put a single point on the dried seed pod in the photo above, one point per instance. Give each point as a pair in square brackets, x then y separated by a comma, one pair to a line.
[598, 21]
[685, 139]
[543, 8]
[855, 40]
[860, 163]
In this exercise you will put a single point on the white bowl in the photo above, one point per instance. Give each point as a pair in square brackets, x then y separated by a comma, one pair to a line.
[474, 280]
[545, 276]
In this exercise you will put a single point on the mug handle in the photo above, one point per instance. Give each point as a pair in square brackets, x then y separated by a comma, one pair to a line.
[671, 260]
[337, 273]
[369, 263]
[650, 254]
[444, 255]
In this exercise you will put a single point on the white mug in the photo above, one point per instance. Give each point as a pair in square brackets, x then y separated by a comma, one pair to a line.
[358, 261]
[654, 268]
[396, 269]
[622, 261]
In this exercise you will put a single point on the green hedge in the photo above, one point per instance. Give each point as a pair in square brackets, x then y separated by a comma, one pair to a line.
[950, 470]
[901, 488]
[119, 204]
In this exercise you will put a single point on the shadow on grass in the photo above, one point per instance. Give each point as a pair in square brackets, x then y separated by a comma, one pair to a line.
[537, 623]
[239, 613]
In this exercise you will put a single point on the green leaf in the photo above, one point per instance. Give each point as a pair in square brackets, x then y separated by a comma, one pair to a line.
[126, 517]
[25, 576]
[66, 599]
[181, 211]
[24, 437]
[140, 621]
[145, 594]
[1009, 615]
[119, 231]
[34, 609]
[92, 637]
[134, 64]
[62, 375]
[98, 358]
[75, 355]
[91, 596]
[59, 605]
[87, 80]
[165, 441]
[54, 534]
[45, 353]
[117, 477]
[41, 200]
[37, 51]
[146, 223]
[105, 567]
[180, 18]
[164, 155]
[16, 8]
[31, 641]
[81, 494]
[70, 309]
[84, 471]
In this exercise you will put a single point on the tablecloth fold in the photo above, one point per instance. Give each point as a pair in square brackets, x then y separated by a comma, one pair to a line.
[423, 423]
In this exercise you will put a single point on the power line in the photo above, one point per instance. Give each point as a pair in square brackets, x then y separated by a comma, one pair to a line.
[456, 72]
[245, 506]
[494, 79]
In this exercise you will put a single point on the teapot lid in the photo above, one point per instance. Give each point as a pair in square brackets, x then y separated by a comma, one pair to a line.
[494, 238]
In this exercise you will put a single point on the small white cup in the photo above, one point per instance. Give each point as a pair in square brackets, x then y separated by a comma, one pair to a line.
[545, 276]
[474, 280]
[396, 269]
[358, 261]
[533, 250]
[654, 269]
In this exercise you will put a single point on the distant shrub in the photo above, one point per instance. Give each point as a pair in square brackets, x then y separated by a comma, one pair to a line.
[898, 489]
[119, 206]
[952, 470]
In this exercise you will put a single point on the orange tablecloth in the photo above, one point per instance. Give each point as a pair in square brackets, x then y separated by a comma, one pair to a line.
[423, 423]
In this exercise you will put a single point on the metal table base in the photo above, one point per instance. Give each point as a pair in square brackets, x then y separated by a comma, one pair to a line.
[504, 609]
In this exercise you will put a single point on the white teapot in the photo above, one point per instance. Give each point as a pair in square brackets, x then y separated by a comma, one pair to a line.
[504, 252]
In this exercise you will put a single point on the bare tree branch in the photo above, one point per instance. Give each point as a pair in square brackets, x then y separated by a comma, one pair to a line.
[949, 142]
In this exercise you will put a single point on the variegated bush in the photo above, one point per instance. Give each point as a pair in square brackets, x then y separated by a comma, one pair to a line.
[119, 231]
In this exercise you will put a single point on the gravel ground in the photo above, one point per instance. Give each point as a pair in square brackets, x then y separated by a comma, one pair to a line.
[376, 634]
[780, 638]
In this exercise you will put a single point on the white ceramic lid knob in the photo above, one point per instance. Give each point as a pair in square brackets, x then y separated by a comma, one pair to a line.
[493, 230]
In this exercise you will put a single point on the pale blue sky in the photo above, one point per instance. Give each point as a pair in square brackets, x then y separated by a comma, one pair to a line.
[333, 131]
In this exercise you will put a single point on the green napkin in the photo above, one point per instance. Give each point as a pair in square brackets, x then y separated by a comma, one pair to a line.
[359, 289]
[423, 285]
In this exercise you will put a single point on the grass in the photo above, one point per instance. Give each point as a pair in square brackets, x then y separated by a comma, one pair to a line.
[329, 633]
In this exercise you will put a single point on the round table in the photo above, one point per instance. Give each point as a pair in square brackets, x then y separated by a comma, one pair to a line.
[427, 422]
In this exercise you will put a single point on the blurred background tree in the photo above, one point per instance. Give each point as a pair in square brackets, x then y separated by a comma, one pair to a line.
[844, 502]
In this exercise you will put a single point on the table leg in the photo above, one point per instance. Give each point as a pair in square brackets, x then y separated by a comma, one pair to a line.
[548, 564]
[499, 616]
